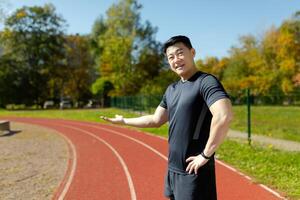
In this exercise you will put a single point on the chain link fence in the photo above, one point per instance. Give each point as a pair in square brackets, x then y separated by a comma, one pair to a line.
[150, 102]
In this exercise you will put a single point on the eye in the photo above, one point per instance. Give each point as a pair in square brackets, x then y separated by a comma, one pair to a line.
[180, 53]
[170, 57]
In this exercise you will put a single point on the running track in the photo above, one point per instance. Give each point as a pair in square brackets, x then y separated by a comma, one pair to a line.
[113, 163]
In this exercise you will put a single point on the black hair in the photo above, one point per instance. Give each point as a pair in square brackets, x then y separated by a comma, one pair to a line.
[176, 39]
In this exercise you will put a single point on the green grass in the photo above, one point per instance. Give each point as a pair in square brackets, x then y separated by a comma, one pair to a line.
[84, 114]
[275, 121]
[279, 170]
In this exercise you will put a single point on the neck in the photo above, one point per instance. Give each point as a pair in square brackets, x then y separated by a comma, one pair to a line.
[188, 75]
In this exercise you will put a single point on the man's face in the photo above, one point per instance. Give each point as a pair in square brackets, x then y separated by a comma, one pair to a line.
[180, 58]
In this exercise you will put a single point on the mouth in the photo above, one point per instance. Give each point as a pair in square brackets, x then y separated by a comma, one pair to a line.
[179, 67]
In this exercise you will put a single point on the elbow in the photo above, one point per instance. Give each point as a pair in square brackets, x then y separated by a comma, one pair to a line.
[229, 117]
[156, 124]
[226, 118]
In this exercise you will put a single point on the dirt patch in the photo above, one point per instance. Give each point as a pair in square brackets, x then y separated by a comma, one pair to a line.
[33, 161]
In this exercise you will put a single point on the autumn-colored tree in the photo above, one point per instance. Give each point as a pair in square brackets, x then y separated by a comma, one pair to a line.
[288, 53]
[213, 65]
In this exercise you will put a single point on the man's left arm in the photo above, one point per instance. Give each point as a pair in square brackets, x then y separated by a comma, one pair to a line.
[222, 115]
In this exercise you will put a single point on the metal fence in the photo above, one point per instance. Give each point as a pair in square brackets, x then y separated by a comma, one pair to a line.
[137, 103]
[147, 103]
[150, 102]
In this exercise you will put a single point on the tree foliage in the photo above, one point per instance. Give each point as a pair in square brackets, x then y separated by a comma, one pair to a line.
[33, 41]
[79, 73]
[129, 52]
[269, 65]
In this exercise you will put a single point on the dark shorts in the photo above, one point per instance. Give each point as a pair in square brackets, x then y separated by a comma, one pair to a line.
[183, 186]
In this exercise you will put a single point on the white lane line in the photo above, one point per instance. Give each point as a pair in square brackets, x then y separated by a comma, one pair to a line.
[73, 155]
[272, 191]
[73, 168]
[165, 158]
[128, 137]
[128, 176]
[250, 179]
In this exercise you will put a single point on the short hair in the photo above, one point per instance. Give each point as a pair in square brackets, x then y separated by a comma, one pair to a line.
[176, 39]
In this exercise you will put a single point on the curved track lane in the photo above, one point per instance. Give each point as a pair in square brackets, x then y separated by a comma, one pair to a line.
[111, 162]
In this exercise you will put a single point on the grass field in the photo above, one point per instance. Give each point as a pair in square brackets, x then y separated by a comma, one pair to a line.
[278, 169]
[275, 121]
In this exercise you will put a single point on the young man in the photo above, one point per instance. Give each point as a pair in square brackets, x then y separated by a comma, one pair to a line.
[199, 112]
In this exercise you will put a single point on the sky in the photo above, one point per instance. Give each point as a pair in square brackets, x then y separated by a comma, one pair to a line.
[213, 26]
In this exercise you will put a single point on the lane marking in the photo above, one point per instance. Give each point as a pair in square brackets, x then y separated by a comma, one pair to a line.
[69, 175]
[125, 168]
[73, 168]
[250, 179]
[272, 191]
[165, 158]
[128, 137]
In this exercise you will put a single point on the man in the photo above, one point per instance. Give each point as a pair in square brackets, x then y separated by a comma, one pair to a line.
[199, 112]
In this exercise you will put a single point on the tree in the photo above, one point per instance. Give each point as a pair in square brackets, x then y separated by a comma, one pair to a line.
[34, 39]
[213, 65]
[101, 88]
[99, 28]
[288, 55]
[79, 71]
[129, 52]
[10, 82]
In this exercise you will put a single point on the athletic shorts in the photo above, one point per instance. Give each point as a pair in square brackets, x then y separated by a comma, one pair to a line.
[184, 186]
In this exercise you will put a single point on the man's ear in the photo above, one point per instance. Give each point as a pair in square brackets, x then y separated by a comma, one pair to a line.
[193, 51]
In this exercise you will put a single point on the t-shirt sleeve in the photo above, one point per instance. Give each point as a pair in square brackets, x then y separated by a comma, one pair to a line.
[212, 90]
[163, 102]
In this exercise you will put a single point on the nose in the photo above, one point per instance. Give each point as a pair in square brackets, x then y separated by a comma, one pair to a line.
[176, 59]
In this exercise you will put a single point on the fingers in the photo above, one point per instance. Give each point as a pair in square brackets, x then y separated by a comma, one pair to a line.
[192, 167]
[117, 120]
[190, 159]
[105, 118]
[195, 162]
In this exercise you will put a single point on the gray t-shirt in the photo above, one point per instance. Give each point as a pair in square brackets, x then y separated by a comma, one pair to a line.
[184, 102]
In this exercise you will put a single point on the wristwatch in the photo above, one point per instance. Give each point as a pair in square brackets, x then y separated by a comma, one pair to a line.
[205, 156]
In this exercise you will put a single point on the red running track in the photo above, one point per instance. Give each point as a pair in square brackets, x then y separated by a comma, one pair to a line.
[113, 163]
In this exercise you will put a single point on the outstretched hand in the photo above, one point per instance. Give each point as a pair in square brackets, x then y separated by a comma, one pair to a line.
[118, 119]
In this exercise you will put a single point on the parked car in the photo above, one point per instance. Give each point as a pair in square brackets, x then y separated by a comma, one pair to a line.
[65, 104]
[49, 104]
[92, 103]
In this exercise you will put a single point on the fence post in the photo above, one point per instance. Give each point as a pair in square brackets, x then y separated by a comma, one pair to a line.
[249, 115]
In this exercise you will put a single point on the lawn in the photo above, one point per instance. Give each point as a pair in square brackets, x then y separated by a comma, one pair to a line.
[274, 121]
[279, 170]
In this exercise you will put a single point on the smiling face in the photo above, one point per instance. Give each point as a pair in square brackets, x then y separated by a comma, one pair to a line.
[181, 60]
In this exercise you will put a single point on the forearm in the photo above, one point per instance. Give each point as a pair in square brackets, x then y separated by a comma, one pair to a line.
[141, 122]
[218, 131]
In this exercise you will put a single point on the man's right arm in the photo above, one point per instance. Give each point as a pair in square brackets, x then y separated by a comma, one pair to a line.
[157, 119]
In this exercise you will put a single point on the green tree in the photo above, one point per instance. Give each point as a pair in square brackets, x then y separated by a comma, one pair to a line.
[34, 38]
[129, 52]
[10, 82]
[101, 88]
[79, 71]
